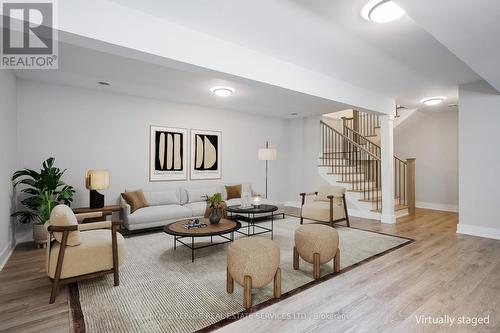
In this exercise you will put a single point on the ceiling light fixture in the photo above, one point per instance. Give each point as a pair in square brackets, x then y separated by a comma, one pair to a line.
[222, 91]
[381, 11]
[433, 100]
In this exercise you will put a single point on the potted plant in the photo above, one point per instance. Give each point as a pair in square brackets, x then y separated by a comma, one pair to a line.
[43, 191]
[214, 202]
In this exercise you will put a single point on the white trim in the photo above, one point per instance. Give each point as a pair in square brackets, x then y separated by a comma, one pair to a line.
[479, 231]
[5, 255]
[437, 206]
[295, 204]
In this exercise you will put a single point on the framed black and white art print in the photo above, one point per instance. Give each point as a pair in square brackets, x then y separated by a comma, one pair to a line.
[206, 154]
[168, 154]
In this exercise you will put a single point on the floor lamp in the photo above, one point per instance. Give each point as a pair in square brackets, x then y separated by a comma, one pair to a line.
[267, 154]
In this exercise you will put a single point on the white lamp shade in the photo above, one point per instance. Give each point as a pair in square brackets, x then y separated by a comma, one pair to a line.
[267, 154]
[97, 179]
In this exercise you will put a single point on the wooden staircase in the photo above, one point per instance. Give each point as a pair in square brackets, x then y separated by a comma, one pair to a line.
[349, 158]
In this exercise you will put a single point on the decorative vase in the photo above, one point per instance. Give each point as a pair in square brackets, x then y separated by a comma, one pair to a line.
[39, 235]
[214, 216]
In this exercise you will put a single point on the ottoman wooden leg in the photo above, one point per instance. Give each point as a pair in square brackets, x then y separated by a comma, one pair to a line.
[336, 262]
[295, 258]
[317, 266]
[247, 292]
[229, 282]
[277, 283]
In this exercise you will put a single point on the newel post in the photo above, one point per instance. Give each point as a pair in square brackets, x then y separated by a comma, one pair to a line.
[410, 181]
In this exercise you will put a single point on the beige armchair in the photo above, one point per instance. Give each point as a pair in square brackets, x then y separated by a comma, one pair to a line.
[81, 251]
[329, 206]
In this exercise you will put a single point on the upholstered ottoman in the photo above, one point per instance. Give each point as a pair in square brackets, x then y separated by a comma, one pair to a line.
[317, 244]
[253, 263]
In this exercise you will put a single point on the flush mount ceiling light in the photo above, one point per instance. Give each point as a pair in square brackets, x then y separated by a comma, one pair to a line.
[381, 11]
[222, 91]
[433, 100]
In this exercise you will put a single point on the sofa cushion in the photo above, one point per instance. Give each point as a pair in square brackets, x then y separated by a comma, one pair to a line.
[135, 199]
[162, 198]
[325, 191]
[197, 195]
[197, 208]
[94, 254]
[320, 211]
[159, 213]
[63, 216]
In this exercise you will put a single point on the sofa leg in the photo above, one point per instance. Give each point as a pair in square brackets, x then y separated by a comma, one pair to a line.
[247, 292]
[336, 262]
[317, 266]
[229, 283]
[277, 283]
[295, 258]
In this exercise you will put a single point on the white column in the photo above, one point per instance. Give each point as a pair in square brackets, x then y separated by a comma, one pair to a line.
[387, 143]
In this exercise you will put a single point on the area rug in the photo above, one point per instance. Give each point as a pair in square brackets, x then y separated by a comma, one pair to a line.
[161, 290]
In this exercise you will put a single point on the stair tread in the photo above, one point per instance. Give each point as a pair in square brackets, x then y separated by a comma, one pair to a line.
[396, 208]
[374, 199]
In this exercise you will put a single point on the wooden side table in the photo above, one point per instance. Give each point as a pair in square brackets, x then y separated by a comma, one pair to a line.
[106, 211]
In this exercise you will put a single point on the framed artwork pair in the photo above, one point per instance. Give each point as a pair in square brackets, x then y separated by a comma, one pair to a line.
[169, 154]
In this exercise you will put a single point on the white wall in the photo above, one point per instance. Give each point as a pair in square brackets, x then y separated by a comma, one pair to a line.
[305, 140]
[479, 160]
[87, 129]
[432, 138]
[8, 145]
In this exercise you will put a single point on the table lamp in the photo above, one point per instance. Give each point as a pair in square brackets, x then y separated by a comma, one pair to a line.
[97, 180]
[267, 154]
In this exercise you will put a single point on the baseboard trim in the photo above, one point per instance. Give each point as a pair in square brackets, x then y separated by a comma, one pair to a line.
[479, 231]
[5, 255]
[295, 204]
[437, 206]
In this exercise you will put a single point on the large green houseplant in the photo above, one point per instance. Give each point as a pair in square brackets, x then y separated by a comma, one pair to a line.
[42, 192]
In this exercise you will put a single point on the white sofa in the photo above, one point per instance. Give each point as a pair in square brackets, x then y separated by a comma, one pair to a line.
[176, 204]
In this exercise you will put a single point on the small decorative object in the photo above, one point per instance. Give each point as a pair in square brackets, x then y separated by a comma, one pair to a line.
[96, 180]
[44, 191]
[214, 202]
[246, 200]
[256, 201]
[206, 147]
[168, 153]
[267, 154]
[194, 224]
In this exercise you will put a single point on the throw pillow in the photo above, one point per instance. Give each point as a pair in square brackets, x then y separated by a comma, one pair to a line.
[233, 191]
[135, 199]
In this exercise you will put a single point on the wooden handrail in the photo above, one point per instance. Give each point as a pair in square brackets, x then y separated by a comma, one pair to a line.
[350, 140]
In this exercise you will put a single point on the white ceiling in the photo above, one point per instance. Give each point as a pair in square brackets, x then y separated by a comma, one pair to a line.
[183, 83]
[470, 29]
[399, 59]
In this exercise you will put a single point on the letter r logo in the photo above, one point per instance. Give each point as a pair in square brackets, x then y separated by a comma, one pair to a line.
[27, 28]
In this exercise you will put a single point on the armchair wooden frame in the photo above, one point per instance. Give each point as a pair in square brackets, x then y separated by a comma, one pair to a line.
[57, 281]
[331, 221]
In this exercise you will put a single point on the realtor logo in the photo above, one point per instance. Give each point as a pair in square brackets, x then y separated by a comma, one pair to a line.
[29, 37]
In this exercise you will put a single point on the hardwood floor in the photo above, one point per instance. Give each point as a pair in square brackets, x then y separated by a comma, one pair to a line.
[440, 274]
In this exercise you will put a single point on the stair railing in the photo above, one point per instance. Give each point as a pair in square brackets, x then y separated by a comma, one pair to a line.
[358, 161]
[356, 166]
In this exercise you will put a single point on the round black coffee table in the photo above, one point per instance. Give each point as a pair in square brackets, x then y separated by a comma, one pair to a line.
[225, 226]
[248, 215]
